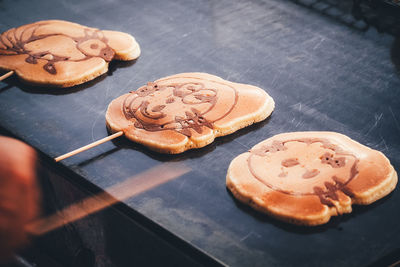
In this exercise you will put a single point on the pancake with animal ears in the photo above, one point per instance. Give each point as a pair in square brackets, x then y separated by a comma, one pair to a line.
[61, 53]
[306, 177]
[187, 110]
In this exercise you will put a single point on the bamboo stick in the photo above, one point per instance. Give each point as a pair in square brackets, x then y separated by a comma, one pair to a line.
[89, 146]
[5, 76]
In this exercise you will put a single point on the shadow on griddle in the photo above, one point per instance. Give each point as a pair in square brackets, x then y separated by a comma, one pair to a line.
[395, 54]
[123, 143]
[119, 64]
[334, 222]
[98, 157]
[8, 86]
[41, 89]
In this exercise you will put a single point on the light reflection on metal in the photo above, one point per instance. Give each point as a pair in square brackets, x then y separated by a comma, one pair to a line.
[132, 186]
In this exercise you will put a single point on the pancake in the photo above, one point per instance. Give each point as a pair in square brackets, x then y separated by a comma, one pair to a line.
[306, 177]
[187, 110]
[61, 53]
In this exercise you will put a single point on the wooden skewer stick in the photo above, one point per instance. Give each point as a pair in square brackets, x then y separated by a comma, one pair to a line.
[5, 76]
[132, 186]
[89, 146]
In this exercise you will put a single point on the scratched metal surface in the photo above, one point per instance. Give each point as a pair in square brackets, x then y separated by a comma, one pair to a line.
[323, 75]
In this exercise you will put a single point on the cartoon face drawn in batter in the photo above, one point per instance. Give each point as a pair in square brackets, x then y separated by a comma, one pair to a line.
[47, 45]
[177, 106]
[304, 167]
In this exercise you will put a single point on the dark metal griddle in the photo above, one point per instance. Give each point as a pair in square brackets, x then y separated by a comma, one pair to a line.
[322, 73]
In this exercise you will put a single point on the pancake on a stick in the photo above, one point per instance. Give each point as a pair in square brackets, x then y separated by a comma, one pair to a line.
[187, 110]
[306, 177]
[61, 53]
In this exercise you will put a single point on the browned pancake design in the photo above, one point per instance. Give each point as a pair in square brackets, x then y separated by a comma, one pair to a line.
[307, 177]
[187, 111]
[62, 54]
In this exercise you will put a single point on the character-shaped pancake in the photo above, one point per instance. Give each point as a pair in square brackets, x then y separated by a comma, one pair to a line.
[61, 53]
[187, 111]
[307, 177]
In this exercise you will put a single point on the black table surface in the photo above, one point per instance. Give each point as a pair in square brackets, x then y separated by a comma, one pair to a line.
[322, 74]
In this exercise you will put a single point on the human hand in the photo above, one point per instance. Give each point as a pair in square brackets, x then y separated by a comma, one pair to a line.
[18, 194]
